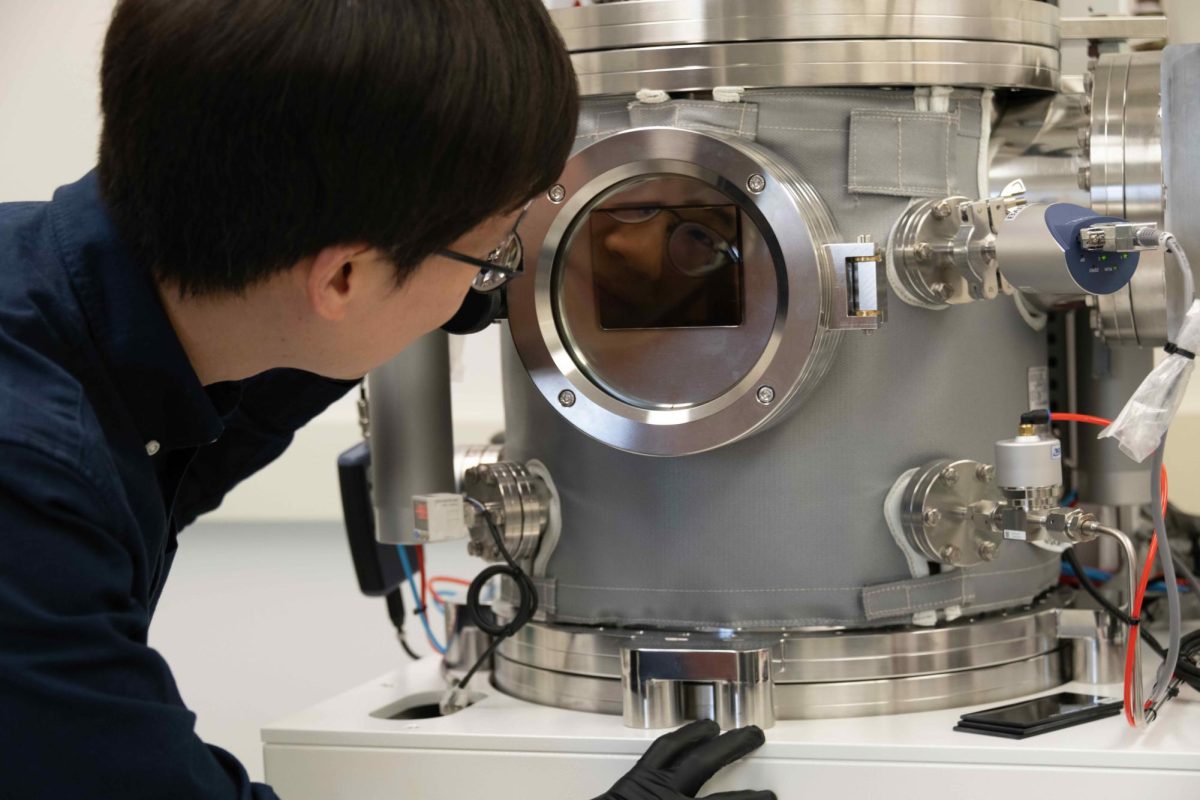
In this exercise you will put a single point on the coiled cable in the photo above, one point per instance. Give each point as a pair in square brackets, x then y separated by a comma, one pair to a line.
[486, 619]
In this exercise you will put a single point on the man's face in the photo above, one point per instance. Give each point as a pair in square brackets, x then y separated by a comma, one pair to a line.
[381, 319]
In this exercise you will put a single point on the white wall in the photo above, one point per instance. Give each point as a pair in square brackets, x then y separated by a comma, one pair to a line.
[49, 122]
[49, 130]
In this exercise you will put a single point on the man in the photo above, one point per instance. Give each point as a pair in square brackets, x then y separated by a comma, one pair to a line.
[286, 189]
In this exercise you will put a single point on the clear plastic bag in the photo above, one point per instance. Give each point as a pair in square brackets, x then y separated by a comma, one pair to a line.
[1144, 420]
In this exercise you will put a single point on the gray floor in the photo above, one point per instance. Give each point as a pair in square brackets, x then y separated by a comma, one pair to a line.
[259, 621]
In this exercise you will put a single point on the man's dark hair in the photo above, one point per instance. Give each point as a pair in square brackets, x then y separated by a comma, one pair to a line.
[241, 136]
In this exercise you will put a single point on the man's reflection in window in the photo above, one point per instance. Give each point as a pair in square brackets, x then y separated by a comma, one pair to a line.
[665, 255]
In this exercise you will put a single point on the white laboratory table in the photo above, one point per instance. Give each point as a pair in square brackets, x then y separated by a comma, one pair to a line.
[507, 749]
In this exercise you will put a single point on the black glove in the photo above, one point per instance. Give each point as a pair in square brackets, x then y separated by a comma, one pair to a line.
[678, 764]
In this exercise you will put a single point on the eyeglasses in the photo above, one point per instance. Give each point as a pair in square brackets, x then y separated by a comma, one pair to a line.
[693, 248]
[501, 265]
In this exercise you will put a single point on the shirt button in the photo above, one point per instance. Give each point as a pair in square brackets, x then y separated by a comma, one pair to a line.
[152, 447]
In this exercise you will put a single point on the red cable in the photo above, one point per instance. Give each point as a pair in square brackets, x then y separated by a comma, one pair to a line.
[1088, 418]
[1151, 555]
[436, 579]
[448, 579]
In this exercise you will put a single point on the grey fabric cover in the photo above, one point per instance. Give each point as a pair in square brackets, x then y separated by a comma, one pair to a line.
[903, 153]
[785, 529]
[739, 119]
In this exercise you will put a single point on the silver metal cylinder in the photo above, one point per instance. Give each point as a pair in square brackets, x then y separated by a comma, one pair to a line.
[1039, 253]
[1037, 139]
[1097, 644]
[465, 643]
[1107, 377]
[1028, 462]
[412, 439]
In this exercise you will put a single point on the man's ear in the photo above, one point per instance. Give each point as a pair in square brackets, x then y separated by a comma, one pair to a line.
[333, 275]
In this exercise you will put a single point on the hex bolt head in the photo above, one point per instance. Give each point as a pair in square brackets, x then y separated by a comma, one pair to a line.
[987, 550]
[566, 398]
[942, 209]
[932, 517]
[756, 183]
[765, 395]
[1084, 177]
[922, 251]
[949, 476]
[984, 473]
[949, 553]
[557, 193]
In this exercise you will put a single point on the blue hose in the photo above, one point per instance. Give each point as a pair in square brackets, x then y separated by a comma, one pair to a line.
[412, 584]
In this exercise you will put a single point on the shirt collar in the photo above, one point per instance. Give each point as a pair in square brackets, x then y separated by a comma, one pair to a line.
[126, 319]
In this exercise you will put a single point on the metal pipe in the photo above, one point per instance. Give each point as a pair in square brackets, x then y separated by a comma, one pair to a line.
[412, 439]
[1126, 545]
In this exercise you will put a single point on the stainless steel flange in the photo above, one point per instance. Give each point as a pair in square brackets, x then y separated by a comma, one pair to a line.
[833, 673]
[694, 45]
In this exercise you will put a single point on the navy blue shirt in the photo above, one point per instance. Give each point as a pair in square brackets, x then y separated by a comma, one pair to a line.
[109, 445]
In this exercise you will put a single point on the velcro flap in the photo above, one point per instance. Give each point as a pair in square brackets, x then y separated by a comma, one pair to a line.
[904, 598]
[902, 153]
[737, 119]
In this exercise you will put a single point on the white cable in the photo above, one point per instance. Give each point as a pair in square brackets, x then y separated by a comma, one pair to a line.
[1142, 425]
[1162, 681]
[1141, 430]
[1169, 243]
[1033, 318]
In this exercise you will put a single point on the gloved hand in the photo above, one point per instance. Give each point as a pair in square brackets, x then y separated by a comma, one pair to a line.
[679, 763]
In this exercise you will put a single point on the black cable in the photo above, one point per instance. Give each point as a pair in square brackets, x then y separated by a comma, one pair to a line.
[395, 607]
[486, 619]
[1090, 588]
[1188, 668]
[407, 649]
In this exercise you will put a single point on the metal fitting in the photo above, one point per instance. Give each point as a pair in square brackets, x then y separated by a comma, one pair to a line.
[988, 550]
[1083, 177]
[1068, 525]
[517, 503]
[947, 518]
[1119, 237]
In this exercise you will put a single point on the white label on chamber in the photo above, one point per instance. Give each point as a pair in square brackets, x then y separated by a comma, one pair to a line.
[1039, 387]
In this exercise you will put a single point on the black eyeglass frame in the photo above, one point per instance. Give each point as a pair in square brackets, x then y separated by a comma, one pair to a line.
[494, 273]
[728, 249]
